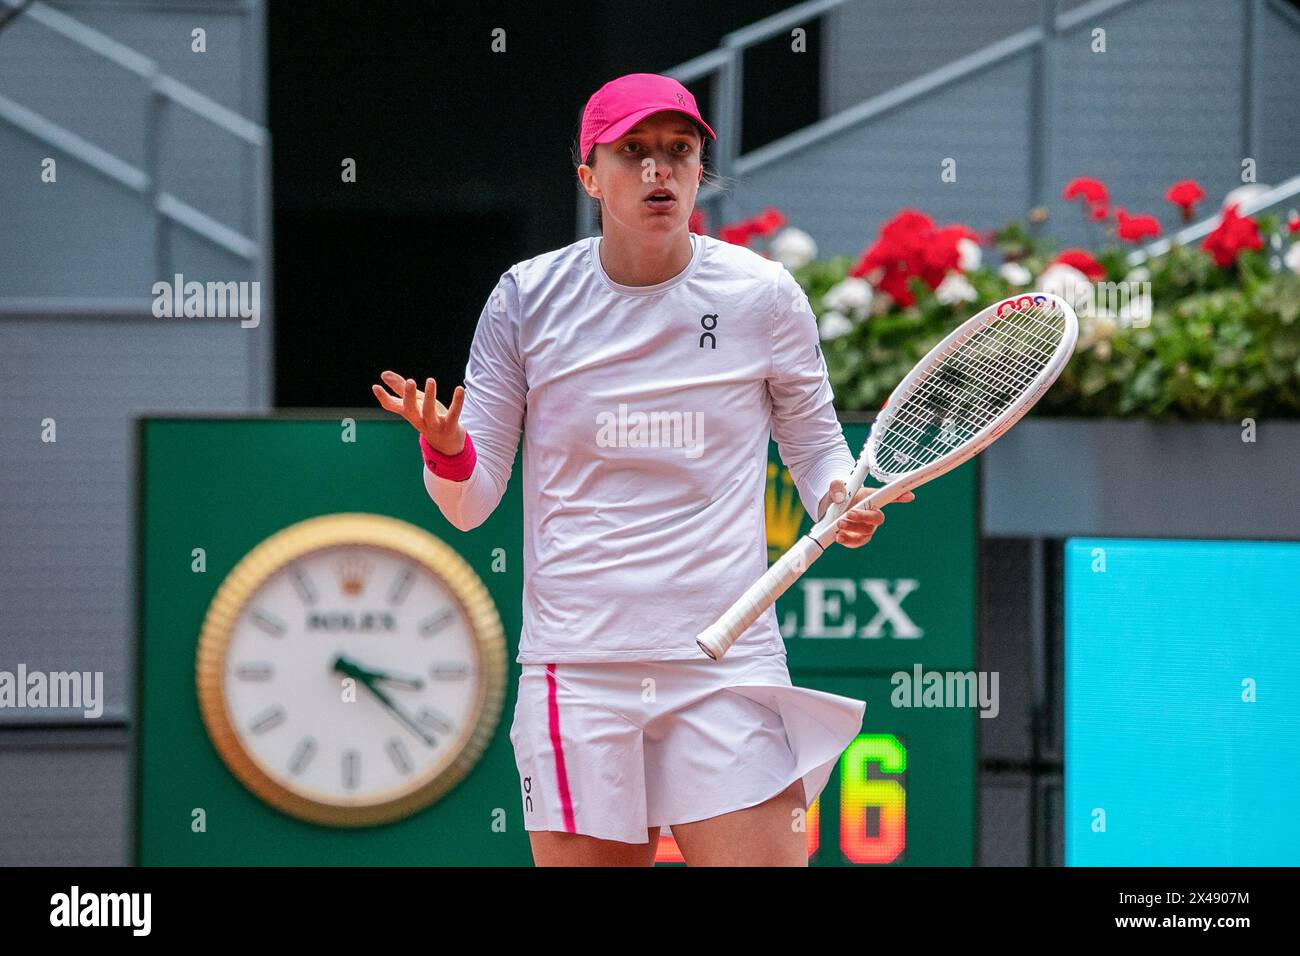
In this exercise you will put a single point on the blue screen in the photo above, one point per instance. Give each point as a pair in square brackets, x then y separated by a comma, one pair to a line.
[1182, 703]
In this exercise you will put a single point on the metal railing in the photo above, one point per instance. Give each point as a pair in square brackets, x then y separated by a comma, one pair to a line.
[165, 92]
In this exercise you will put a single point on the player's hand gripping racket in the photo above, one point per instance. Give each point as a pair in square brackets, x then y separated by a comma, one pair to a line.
[967, 391]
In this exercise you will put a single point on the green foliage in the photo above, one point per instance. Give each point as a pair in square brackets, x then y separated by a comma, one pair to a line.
[1222, 343]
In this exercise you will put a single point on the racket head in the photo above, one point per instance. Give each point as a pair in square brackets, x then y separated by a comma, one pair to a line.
[971, 387]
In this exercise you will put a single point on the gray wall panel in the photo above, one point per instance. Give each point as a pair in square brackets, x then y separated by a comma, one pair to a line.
[86, 235]
[1004, 820]
[160, 29]
[64, 803]
[210, 169]
[80, 91]
[874, 45]
[1059, 478]
[195, 258]
[82, 235]
[66, 508]
[1005, 647]
[1279, 96]
[841, 189]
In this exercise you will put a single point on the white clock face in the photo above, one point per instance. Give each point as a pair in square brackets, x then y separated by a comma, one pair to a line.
[352, 676]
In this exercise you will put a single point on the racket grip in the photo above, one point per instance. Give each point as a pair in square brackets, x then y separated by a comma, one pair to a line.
[717, 639]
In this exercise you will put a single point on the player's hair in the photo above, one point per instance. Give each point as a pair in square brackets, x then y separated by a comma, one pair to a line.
[710, 178]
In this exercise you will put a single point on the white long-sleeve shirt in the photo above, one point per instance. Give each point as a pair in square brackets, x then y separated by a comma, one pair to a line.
[646, 413]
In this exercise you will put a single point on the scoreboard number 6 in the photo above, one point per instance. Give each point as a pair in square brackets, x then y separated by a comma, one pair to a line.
[860, 792]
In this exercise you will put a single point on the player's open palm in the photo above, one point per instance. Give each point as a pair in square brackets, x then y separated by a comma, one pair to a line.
[439, 424]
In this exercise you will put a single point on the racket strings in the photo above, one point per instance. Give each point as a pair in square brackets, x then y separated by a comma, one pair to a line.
[970, 384]
[975, 380]
[997, 372]
[996, 364]
[1018, 348]
[1022, 349]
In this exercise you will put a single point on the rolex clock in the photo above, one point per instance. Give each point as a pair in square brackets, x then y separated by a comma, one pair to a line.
[351, 669]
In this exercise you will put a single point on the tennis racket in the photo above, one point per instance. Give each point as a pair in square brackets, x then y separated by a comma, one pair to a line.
[965, 393]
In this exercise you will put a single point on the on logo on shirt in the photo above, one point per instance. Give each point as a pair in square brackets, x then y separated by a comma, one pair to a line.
[709, 322]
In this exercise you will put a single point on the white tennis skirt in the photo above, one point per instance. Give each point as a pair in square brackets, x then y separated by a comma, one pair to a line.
[611, 749]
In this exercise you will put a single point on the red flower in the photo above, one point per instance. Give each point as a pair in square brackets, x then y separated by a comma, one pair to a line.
[764, 224]
[1230, 236]
[1135, 228]
[902, 234]
[1093, 193]
[896, 283]
[768, 222]
[1185, 194]
[939, 254]
[908, 246]
[1293, 223]
[1083, 261]
[696, 223]
[898, 245]
[738, 234]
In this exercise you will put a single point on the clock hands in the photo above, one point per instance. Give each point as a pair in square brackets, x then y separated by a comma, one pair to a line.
[402, 680]
[370, 680]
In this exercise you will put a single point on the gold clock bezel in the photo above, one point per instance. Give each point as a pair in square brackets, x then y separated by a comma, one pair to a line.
[333, 531]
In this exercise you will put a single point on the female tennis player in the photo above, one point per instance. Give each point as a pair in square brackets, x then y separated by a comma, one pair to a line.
[647, 367]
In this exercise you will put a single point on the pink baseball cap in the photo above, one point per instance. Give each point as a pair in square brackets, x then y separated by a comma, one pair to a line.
[622, 103]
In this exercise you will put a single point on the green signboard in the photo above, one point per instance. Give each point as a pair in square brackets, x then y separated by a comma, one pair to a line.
[235, 515]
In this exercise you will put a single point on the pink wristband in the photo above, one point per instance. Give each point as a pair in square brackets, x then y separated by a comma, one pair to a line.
[455, 467]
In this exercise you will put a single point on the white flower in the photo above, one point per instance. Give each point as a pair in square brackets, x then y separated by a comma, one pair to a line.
[955, 288]
[1015, 273]
[793, 248]
[1140, 274]
[1102, 350]
[849, 295]
[968, 252]
[1068, 283]
[832, 325]
[1244, 194]
[1103, 328]
[1292, 257]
